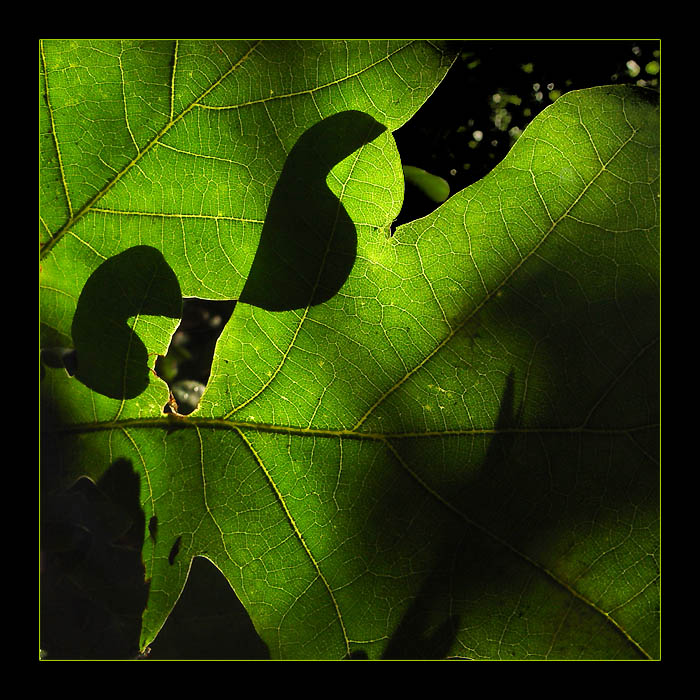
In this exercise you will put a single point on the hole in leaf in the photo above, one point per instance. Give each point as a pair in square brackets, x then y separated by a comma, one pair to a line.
[174, 550]
[187, 365]
[153, 527]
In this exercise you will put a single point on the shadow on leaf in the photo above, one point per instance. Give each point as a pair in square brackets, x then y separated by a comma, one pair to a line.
[429, 628]
[111, 358]
[308, 244]
[523, 507]
[92, 574]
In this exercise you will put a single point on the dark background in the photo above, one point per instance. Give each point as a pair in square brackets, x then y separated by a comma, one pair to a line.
[92, 535]
[498, 87]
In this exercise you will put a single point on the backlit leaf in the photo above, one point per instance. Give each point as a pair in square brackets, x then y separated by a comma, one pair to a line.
[436, 443]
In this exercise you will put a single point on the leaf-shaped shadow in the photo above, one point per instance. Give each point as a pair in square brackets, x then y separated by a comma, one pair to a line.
[307, 248]
[111, 358]
[429, 628]
[308, 244]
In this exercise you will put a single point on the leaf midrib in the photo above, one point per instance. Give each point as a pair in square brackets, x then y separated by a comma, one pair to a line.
[386, 439]
[171, 422]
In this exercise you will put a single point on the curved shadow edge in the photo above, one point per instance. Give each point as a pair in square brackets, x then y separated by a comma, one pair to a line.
[111, 359]
[308, 243]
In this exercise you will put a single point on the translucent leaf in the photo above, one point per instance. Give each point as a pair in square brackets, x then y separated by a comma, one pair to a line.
[441, 443]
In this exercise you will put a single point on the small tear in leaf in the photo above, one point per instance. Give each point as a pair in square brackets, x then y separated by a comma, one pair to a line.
[153, 527]
[174, 550]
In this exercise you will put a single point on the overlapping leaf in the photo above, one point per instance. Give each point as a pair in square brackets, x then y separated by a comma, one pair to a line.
[447, 448]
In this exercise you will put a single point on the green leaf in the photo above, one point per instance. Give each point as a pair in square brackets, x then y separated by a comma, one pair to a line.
[434, 187]
[437, 443]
